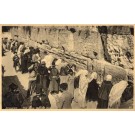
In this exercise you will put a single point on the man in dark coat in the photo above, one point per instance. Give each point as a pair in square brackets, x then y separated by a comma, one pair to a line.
[42, 78]
[24, 63]
[104, 92]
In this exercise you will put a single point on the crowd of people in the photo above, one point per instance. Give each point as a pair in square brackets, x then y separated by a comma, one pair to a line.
[64, 81]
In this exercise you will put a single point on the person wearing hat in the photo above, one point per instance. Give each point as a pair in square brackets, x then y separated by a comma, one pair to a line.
[64, 101]
[42, 78]
[54, 79]
[104, 92]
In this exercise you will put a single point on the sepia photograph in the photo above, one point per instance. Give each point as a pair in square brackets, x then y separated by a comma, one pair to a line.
[74, 67]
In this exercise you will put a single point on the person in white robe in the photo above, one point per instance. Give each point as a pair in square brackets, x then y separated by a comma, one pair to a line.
[83, 85]
[48, 59]
[116, 93]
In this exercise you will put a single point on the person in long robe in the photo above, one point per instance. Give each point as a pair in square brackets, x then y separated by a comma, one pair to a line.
[54, 80]
[70, 82]
[24, 63]
[92, 92]
[64, 72]
[33, 70]
[83, 85]
[63, 100]
[42, 78]
[104, 92]
[116, 94]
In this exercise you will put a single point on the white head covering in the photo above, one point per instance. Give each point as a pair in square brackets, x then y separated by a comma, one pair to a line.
[93, 75]
[108, 77]
[58, 62]
[26, 51]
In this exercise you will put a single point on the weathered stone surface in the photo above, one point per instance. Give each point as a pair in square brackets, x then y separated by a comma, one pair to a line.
[85, 46]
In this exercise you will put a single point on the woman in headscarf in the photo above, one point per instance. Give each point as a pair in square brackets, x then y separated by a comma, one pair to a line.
[104, 92]
[83, 85]
[116, 93]
[92, 91]
[70, 82]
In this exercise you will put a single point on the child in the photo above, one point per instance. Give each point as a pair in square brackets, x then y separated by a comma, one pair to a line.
[16, 61]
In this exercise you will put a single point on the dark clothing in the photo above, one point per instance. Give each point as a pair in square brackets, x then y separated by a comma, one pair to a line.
[41, 101]
[14, 100]
[14, 49]
[29, 59]
[16, 61]
[102, 103]
[36, 102]
[103, 94]
[105, 89]
[128, 93]
[45, 101]
[42, 79]
[92, 91]
[24, 63]
[64, 70]
[76, 82]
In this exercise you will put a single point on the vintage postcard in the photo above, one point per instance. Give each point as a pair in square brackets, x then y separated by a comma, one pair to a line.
[67, 67]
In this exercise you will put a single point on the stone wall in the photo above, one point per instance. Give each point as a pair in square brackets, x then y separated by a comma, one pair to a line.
[83, 40]
[102, 49]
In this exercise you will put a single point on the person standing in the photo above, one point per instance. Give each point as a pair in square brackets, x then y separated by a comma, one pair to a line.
[65, 99]
[16, 62]
[42, 78]
[104, 92]
[92, 92]
[116, 94]
[54, 80]
[83, 85]
[24, 63]
[70, 82]
[33, 69]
